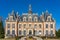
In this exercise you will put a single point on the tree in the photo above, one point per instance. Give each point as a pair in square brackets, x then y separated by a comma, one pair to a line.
[58, 33]
[1, 30]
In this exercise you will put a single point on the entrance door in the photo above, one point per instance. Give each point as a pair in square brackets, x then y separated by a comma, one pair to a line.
[30, 32]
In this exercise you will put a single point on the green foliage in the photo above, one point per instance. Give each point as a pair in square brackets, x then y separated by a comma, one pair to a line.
[17, 38]
[1, 30]
[58, 33]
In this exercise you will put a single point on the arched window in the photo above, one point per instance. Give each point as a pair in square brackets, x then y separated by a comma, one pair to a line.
[30, 32]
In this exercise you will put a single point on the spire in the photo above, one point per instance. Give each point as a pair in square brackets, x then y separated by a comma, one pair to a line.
[17, 13]
[30, 9]
[42, 12]
[12, 12]
[46, 11]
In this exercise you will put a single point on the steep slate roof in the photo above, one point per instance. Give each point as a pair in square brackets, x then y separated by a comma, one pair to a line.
[41, 18]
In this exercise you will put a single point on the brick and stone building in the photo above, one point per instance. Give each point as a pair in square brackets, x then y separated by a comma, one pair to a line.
[29, 24]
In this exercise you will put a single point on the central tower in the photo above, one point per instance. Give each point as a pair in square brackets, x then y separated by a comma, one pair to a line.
[30, 9]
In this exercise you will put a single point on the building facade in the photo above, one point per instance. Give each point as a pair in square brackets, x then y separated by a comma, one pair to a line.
[29, 24]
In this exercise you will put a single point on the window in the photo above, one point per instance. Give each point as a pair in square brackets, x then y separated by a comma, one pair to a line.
[29, 25]
[35, 25]
[49, 19]
[30, 32]
[10, 18]
[24, 19]
[35, 19]
[8, 25]
[46, 25]
[8, 31]
[20, 32]
[13, 25]
[51, 32]
[19, 25]
[30, 19]
[39, 31]
[39, 25]
[13, 32]
[35, 32]
[46, 32]
[24, 25]
[51, 25]
[24, 32]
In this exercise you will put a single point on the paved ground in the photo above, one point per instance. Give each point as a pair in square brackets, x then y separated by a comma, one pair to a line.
[33, 38]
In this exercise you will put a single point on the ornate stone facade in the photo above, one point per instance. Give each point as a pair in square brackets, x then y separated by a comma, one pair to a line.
[29, 24]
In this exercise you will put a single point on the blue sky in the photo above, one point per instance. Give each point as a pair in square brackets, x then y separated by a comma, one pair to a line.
[39, 6]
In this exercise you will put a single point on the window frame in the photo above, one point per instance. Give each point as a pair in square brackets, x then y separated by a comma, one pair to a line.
[13, 25]
[40, 25]
[51, 25]
[46, 25]
[20, 25]
[8, 25]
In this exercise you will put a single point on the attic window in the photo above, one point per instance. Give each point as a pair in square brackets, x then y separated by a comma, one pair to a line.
[35, 19]
[24, 19]
[11, 18]
[48, 19]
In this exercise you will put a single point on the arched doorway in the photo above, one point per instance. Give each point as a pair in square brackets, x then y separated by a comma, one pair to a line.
[30, 32]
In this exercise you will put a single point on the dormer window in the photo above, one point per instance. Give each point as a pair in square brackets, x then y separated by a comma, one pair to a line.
[35, 19]
[24, 19]
[30, 19]
[49, 18]
[11, 18]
